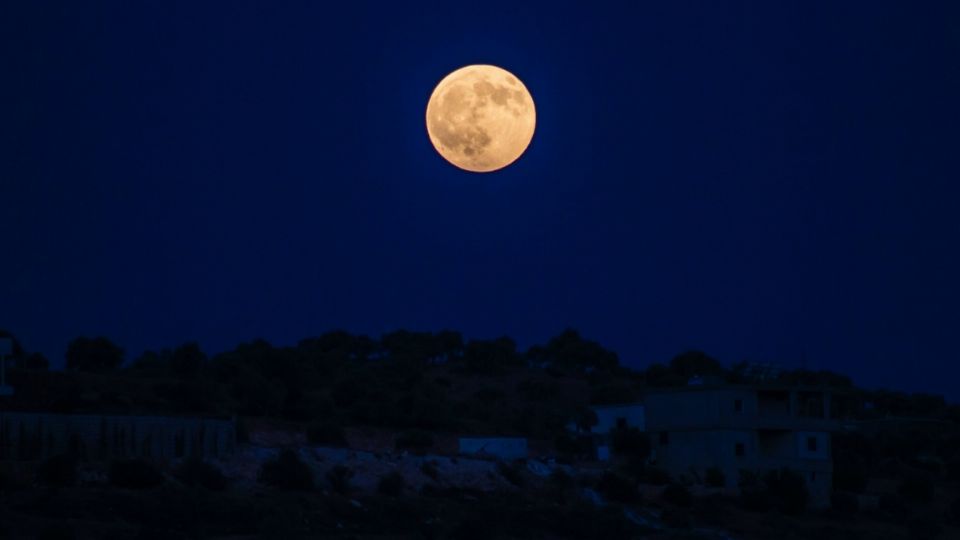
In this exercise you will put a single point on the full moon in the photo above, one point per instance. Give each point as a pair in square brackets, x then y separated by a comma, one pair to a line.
[481, 118]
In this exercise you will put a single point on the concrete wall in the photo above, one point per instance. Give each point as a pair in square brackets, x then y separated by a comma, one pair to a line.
[691, 453]
[30, 436]
[501, 447]
[694, 429]
[700, 408]
[821, 443]
[608, 417]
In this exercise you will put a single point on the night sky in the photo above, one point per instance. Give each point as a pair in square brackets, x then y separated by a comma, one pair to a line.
[765, 181]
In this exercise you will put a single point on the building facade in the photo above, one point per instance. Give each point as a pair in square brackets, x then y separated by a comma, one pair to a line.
[741, 429]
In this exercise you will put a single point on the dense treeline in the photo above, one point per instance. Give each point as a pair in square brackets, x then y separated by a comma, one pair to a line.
[418, 380]
[420, 384]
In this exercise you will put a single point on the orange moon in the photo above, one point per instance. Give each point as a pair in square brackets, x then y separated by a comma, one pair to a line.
[481, 118]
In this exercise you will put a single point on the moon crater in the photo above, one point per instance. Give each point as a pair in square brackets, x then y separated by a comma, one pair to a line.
[481, 118]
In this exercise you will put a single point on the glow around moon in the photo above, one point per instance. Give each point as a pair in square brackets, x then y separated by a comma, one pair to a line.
[481, 118]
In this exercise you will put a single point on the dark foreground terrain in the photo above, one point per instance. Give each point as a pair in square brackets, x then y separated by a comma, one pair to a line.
[345, 436]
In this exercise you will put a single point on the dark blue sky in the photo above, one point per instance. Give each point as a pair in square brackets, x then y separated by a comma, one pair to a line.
[760, 180]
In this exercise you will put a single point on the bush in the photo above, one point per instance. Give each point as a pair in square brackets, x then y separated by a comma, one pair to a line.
[631, 443]
[617, 488]
[676, 518]
[754, 500]
[391, 484]
[571, 448]
[850, 476]
[954, 512]
[326, 434]
[511, 473]
[9, 482]
[788, 491]
[57, 531]
[339, 478]
[844, 503]
[134, 474]
[561, 479]
[924, 529]
[415, 441]
[287, 472]
[892, 504]
[430, 471]
[58, 471]
[243, 433]
[916, 488]
[196, 472]
[715, 478]
[677, 495]
[656, 476]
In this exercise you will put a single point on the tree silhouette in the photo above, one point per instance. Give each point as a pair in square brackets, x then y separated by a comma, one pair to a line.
[17, 348]
[186, 360]
[96, 355]
[569, 352]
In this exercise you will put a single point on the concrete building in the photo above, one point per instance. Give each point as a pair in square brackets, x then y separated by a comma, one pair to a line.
[744, 428]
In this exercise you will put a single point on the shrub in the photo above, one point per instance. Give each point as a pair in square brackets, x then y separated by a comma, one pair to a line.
[243, 433]
[631, 443]
[954, 512]
[916, 488]
[850, 476]
[287, 472]
[617, 488]
[677, 495]
[57, 531]
[714, 477]
[511, 473]
[9, 482]
[561, 479]
[676, 518]
[924, 529]
[953, 470]
[788, 490]
[196, 472]
[134, 474]
[391, 484]
[415, 441]
[339, 478]
[656, 476]
[59, 471]
[754, 500]
[430, 471]
[844, 503]
[326, 434]
[570, 447]
[892, 504]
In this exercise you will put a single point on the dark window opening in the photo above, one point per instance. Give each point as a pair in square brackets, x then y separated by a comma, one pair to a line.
[738, 405]
[621, 423]
[740, 450]
[812, 444]
[664, 438]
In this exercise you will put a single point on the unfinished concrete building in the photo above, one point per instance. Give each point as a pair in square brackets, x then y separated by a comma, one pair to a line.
[744, 429]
